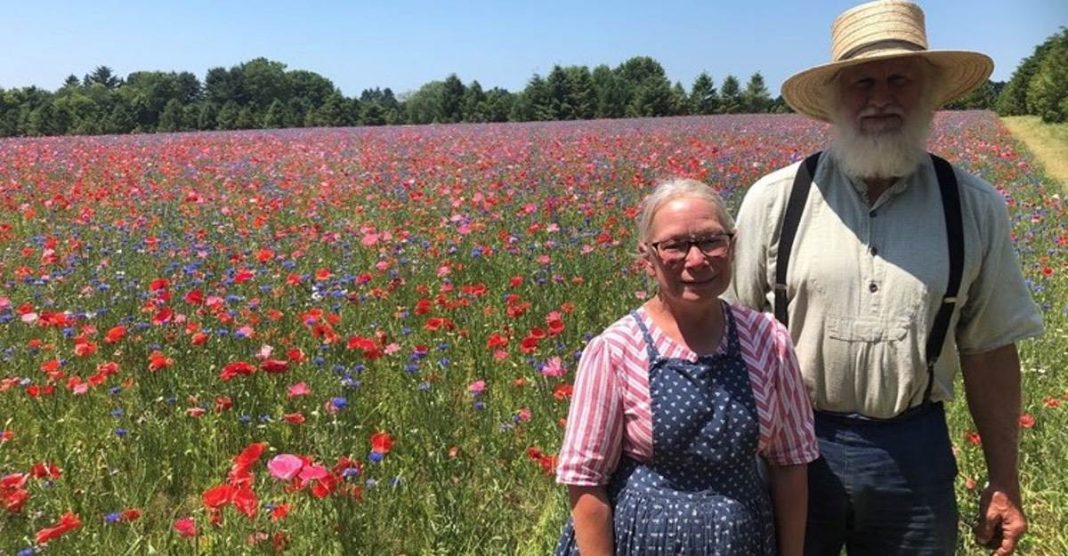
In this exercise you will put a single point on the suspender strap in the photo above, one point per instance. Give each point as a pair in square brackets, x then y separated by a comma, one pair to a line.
[794, 207]
[947, 185]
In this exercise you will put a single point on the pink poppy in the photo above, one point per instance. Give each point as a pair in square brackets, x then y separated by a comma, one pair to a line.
[285, 466]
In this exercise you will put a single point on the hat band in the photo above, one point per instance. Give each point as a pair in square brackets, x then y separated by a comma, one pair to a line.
[881, 45]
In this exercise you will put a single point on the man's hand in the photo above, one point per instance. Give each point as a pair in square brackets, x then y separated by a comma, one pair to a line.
[1001, 521]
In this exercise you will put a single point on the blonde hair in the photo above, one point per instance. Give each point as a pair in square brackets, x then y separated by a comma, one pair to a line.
[676, 188]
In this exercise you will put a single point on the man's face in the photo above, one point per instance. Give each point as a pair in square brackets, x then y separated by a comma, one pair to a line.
[880, 97]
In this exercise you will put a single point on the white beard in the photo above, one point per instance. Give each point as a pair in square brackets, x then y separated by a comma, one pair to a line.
[896, 154]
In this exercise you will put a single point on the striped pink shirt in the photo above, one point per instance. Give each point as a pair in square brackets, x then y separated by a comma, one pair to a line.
[610, 407]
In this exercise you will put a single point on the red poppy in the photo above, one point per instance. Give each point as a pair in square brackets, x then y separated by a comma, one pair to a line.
[217, 496]
[496, 341]
[186, 527]
[245, 500]
[381, 442]
[67, 522]
[115, 334]
[194, 297]
[236, 368]
[163, 316]
[157, 360]
[274, 366]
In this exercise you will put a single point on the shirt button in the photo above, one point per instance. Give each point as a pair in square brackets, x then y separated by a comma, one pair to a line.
[873, 214]
[873, 250]
[873, 287]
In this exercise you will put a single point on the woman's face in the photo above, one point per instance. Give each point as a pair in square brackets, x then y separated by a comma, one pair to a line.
[688, 251]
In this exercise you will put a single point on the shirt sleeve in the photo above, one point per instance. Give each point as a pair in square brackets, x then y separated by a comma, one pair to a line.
[793, 438]
[593, 439]
[999, 310]
[749, 283]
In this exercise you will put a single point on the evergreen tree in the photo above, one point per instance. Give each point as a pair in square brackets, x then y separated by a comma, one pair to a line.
[372, 114]
[704, 99]
[611, 92]
[275, 116]
[474, 103]
[498, 104]
[246, 119]
[680, 103]
[755, 99]
[730, 97]
[120, 120]
[171, 118]
[206, 119]
[227, 118]
[103, 76]
[190, 117]
[583, 96]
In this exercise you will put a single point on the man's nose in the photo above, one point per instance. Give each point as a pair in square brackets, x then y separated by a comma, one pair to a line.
[880, 95]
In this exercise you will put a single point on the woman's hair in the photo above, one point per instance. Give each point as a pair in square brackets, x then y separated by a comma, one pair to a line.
[676, 188]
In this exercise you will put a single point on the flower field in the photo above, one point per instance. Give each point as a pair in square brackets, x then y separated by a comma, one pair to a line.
[361, 341]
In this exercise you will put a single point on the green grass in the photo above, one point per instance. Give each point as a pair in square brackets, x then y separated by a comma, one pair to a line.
[1048, 142]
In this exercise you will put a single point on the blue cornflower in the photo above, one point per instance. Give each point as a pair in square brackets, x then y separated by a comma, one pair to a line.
[374, 457]
[113, 517]
[120, 432]
[339, 402]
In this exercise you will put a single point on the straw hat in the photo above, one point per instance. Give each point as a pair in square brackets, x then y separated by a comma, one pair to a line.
[878, 31]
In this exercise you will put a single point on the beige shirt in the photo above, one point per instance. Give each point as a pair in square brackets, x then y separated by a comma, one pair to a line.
[865, 282]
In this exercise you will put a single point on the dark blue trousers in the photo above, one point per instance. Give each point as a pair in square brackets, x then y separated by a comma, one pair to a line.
[882, 488]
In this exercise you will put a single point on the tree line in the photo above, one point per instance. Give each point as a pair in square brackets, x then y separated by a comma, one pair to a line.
[1039, 86]
[262, 93]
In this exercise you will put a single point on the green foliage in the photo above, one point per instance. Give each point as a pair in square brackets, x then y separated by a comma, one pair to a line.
[276, 115]
[983, 98]
[704, 99]
[171, 118]
[264, 93]
[756, 99]
[730, 96]
[1018, 97]
[452, 99]
[1047, 92]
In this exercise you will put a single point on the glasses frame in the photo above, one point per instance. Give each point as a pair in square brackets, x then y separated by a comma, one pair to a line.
[690, 244]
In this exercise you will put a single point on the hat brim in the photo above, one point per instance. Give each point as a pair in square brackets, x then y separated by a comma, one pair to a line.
[960, 72]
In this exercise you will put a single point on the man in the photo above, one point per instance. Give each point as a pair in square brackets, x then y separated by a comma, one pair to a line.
[890, 259]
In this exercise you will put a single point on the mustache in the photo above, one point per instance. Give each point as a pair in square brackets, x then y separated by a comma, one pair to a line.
[882, 111]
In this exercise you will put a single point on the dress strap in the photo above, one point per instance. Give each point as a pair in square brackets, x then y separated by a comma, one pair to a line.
[734, 345]
[650, 348]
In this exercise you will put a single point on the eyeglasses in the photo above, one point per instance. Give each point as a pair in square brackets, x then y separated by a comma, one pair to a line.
[676, 250]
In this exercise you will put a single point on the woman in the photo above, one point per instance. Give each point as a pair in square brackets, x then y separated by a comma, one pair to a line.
[673, 402]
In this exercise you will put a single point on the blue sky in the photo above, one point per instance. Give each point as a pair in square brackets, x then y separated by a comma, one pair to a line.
[404, 44]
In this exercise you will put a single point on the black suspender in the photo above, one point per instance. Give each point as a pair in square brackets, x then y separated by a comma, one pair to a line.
[947, 186]
[794, 207]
